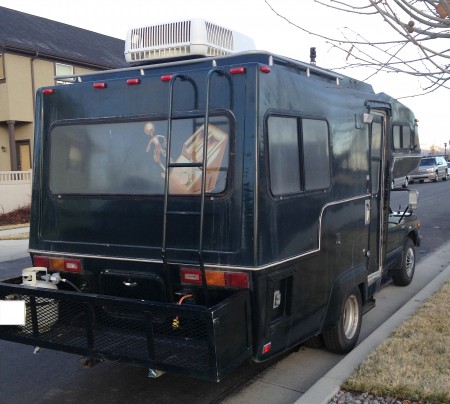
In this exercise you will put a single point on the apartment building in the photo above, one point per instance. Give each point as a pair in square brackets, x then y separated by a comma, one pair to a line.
[33, 50]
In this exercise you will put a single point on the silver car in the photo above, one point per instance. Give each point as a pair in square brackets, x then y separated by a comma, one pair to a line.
[430, 168]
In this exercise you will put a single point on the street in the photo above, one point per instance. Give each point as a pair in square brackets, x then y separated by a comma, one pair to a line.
[55, 377]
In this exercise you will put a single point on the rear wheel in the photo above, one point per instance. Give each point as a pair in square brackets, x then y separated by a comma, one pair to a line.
[404, 275]
[343, 336]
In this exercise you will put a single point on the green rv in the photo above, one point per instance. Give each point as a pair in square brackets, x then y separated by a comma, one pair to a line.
[209, 205]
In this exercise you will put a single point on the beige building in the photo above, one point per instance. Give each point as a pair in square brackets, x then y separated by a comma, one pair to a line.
[33, 51]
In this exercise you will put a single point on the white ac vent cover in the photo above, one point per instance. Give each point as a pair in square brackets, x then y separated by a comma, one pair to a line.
[194, 37]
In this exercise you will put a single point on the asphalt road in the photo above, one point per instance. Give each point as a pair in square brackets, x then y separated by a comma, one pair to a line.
[55, 377]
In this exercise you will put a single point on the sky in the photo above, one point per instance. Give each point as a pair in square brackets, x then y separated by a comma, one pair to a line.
[271, 33]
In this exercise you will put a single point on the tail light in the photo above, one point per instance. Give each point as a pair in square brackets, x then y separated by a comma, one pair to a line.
[226, 279]
[58, 264]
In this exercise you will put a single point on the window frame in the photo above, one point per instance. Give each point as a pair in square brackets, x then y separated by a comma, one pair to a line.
[412, 137]
[98, 121]
[299, 118]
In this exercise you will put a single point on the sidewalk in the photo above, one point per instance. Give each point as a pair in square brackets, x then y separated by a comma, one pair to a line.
[13, 249]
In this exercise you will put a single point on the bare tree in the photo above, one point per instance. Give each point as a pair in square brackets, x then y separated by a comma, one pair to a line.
[419, 46]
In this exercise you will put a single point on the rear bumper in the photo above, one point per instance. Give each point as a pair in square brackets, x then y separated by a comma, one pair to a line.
[186, 339]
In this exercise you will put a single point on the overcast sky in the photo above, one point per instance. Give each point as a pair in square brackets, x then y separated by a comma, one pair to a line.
[270, 32]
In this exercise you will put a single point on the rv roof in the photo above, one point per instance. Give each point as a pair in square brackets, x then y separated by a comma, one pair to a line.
[189, 38]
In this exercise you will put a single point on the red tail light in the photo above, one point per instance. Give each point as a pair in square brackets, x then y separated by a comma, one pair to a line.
[48, 91]
[166, 77]
[226, 279]
[58, 264]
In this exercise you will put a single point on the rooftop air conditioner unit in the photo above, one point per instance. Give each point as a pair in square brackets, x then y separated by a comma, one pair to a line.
[190, 38]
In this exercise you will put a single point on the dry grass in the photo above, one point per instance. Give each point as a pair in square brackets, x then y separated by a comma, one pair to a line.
[13, 220]
[19, 216]
[414, 362]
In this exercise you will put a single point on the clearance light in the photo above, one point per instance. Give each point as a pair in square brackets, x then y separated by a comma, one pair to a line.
[215, 278]
[100, 85]
[266, 348]
[166, 77]
[48, 91]
[237, 70]
[133, 82]
[58, 264]
[264, 69]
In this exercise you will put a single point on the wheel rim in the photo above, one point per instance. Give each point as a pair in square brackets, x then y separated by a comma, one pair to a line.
[351, 317]
[409, 262]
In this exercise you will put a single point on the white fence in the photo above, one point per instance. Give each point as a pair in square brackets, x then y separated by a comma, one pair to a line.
[15, 190]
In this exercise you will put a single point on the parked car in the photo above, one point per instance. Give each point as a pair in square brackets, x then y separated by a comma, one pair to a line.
[400, 182]
[430, 168]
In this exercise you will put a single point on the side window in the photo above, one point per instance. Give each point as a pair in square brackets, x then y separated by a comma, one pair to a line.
[401, 137]
[283, 155]
[299, 157]
[406, 137]
[316, 154]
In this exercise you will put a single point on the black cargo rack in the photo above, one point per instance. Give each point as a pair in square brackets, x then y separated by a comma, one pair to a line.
[186, 339]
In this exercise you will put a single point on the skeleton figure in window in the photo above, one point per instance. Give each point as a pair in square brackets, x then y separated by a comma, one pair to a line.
[159, 143]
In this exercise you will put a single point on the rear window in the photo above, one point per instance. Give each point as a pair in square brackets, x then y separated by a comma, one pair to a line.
[129, 158]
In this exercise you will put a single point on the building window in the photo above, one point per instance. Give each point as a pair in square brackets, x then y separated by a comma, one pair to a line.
[2, 67]
[63, 70]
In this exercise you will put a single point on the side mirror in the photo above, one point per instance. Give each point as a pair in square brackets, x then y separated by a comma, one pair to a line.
[413, 199]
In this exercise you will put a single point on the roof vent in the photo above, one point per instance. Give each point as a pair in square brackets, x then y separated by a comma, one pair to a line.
[190, 38]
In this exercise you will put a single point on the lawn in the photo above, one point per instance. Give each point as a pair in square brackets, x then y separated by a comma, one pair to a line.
[414, 362]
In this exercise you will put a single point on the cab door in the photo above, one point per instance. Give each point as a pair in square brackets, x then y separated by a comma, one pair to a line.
[374, 205]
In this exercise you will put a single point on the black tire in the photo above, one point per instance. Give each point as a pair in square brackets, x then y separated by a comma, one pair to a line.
[343, 336]
[404, 275]
[405, 184]
[436, 177]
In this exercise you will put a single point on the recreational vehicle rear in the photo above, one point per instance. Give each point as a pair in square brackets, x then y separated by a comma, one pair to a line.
[191, 213]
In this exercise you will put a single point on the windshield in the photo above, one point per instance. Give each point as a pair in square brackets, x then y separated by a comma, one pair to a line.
[428, 162]
[129, 158]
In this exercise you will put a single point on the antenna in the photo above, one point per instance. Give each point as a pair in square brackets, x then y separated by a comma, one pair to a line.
[312, 55]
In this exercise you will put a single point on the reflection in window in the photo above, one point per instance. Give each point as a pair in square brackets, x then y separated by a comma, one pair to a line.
[130, 157]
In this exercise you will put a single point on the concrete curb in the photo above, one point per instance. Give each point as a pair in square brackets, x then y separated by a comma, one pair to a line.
[324, 389]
